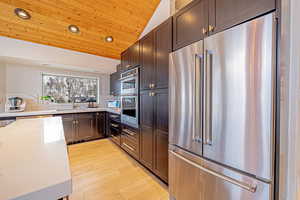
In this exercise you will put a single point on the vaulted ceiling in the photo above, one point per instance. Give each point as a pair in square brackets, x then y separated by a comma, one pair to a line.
[124, 20]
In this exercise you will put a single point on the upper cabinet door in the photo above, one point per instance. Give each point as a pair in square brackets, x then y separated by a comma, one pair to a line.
[163, 46]
[190, 24]
[130, 58]
[224, 14]
[125, 59]
[147, 61]
[135, 54]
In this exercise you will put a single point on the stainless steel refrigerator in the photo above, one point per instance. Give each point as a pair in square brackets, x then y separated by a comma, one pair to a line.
[222, 115]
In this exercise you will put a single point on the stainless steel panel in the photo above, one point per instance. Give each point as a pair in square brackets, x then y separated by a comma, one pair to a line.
[185, 100]
[239, 90]
[195, 178]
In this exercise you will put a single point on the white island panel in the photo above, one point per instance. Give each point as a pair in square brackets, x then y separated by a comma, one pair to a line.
[34, 163]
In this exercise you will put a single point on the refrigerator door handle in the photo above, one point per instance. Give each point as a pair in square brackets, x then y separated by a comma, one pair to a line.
[246, 186]
[208, 97]
[198, 101]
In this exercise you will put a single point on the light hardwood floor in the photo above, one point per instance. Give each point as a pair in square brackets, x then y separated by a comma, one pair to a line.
[102, 171]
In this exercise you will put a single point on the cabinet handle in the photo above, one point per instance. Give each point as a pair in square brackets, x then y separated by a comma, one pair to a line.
[129, 132]
[129, 147]
[114, 125]
[150, 85]
[153, 94]
[74, 122]
[204, 31]
[153, 85]
[211, 28]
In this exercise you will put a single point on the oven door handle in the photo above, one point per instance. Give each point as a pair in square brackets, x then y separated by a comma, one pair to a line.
[130, 77]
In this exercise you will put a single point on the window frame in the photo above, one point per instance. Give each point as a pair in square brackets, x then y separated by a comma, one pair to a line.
[73, 76]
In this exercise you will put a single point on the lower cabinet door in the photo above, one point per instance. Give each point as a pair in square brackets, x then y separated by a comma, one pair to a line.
[69, 128]
[161, 113]
[99, 131]
[85, 127]
[146, 127]
[130, 145]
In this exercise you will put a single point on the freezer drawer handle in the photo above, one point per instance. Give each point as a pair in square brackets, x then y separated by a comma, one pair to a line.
[251, 188]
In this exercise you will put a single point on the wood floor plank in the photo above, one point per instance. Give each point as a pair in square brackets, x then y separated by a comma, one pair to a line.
[101, 171]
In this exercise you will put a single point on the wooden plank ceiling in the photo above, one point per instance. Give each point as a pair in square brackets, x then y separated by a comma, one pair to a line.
[122, 19]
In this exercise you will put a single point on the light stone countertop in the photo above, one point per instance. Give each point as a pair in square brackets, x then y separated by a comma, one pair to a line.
[56, 112]
[34, 163]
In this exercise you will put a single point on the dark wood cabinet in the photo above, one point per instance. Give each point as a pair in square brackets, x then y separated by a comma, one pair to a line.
[125, 57]
[163, 46]
[135, 54]
[69, 128]
[155, 48]
[130, 58]
[146, 127]
[201, 18]
[154, 131]
[190, 23]
[100, 125]
[224, 14]
[114, 128]
[84, 126]
[115, 85]
[147, 61]
[161, 133]
[130, 141]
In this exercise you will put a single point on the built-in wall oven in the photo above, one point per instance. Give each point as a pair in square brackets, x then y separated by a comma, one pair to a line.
[130, 98]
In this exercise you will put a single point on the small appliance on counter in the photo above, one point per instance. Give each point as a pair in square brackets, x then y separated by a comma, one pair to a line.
[115, 104]
[15, 104]
[92, 103]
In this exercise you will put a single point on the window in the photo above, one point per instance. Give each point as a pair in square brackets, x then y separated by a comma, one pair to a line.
[68, 89]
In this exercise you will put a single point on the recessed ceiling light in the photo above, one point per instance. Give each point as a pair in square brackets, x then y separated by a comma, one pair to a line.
[109, 39]
[23, 14]
[73, 29]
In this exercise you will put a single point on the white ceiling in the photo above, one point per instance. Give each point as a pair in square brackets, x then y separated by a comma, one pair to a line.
[22, 52]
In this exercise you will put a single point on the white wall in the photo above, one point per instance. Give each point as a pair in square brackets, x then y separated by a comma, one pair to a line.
[43, 54]
[26, 82]
[2, 86]
[161, 13]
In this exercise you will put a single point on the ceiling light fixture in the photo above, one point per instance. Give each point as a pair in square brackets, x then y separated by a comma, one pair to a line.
[109, 39]
[73, 29]
[21, 13]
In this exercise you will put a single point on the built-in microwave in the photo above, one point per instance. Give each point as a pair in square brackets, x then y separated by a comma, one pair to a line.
[130, 82]
[130, 98]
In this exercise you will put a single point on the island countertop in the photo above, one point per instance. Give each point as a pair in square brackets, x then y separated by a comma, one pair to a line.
[34, 162]
[57, 112]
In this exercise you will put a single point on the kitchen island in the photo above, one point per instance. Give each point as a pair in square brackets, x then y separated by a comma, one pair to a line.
[34, 160]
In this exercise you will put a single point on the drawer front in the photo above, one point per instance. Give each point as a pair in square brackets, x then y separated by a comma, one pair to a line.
[129, 145]
[114, 117]
[84, 115]
[131, 133]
